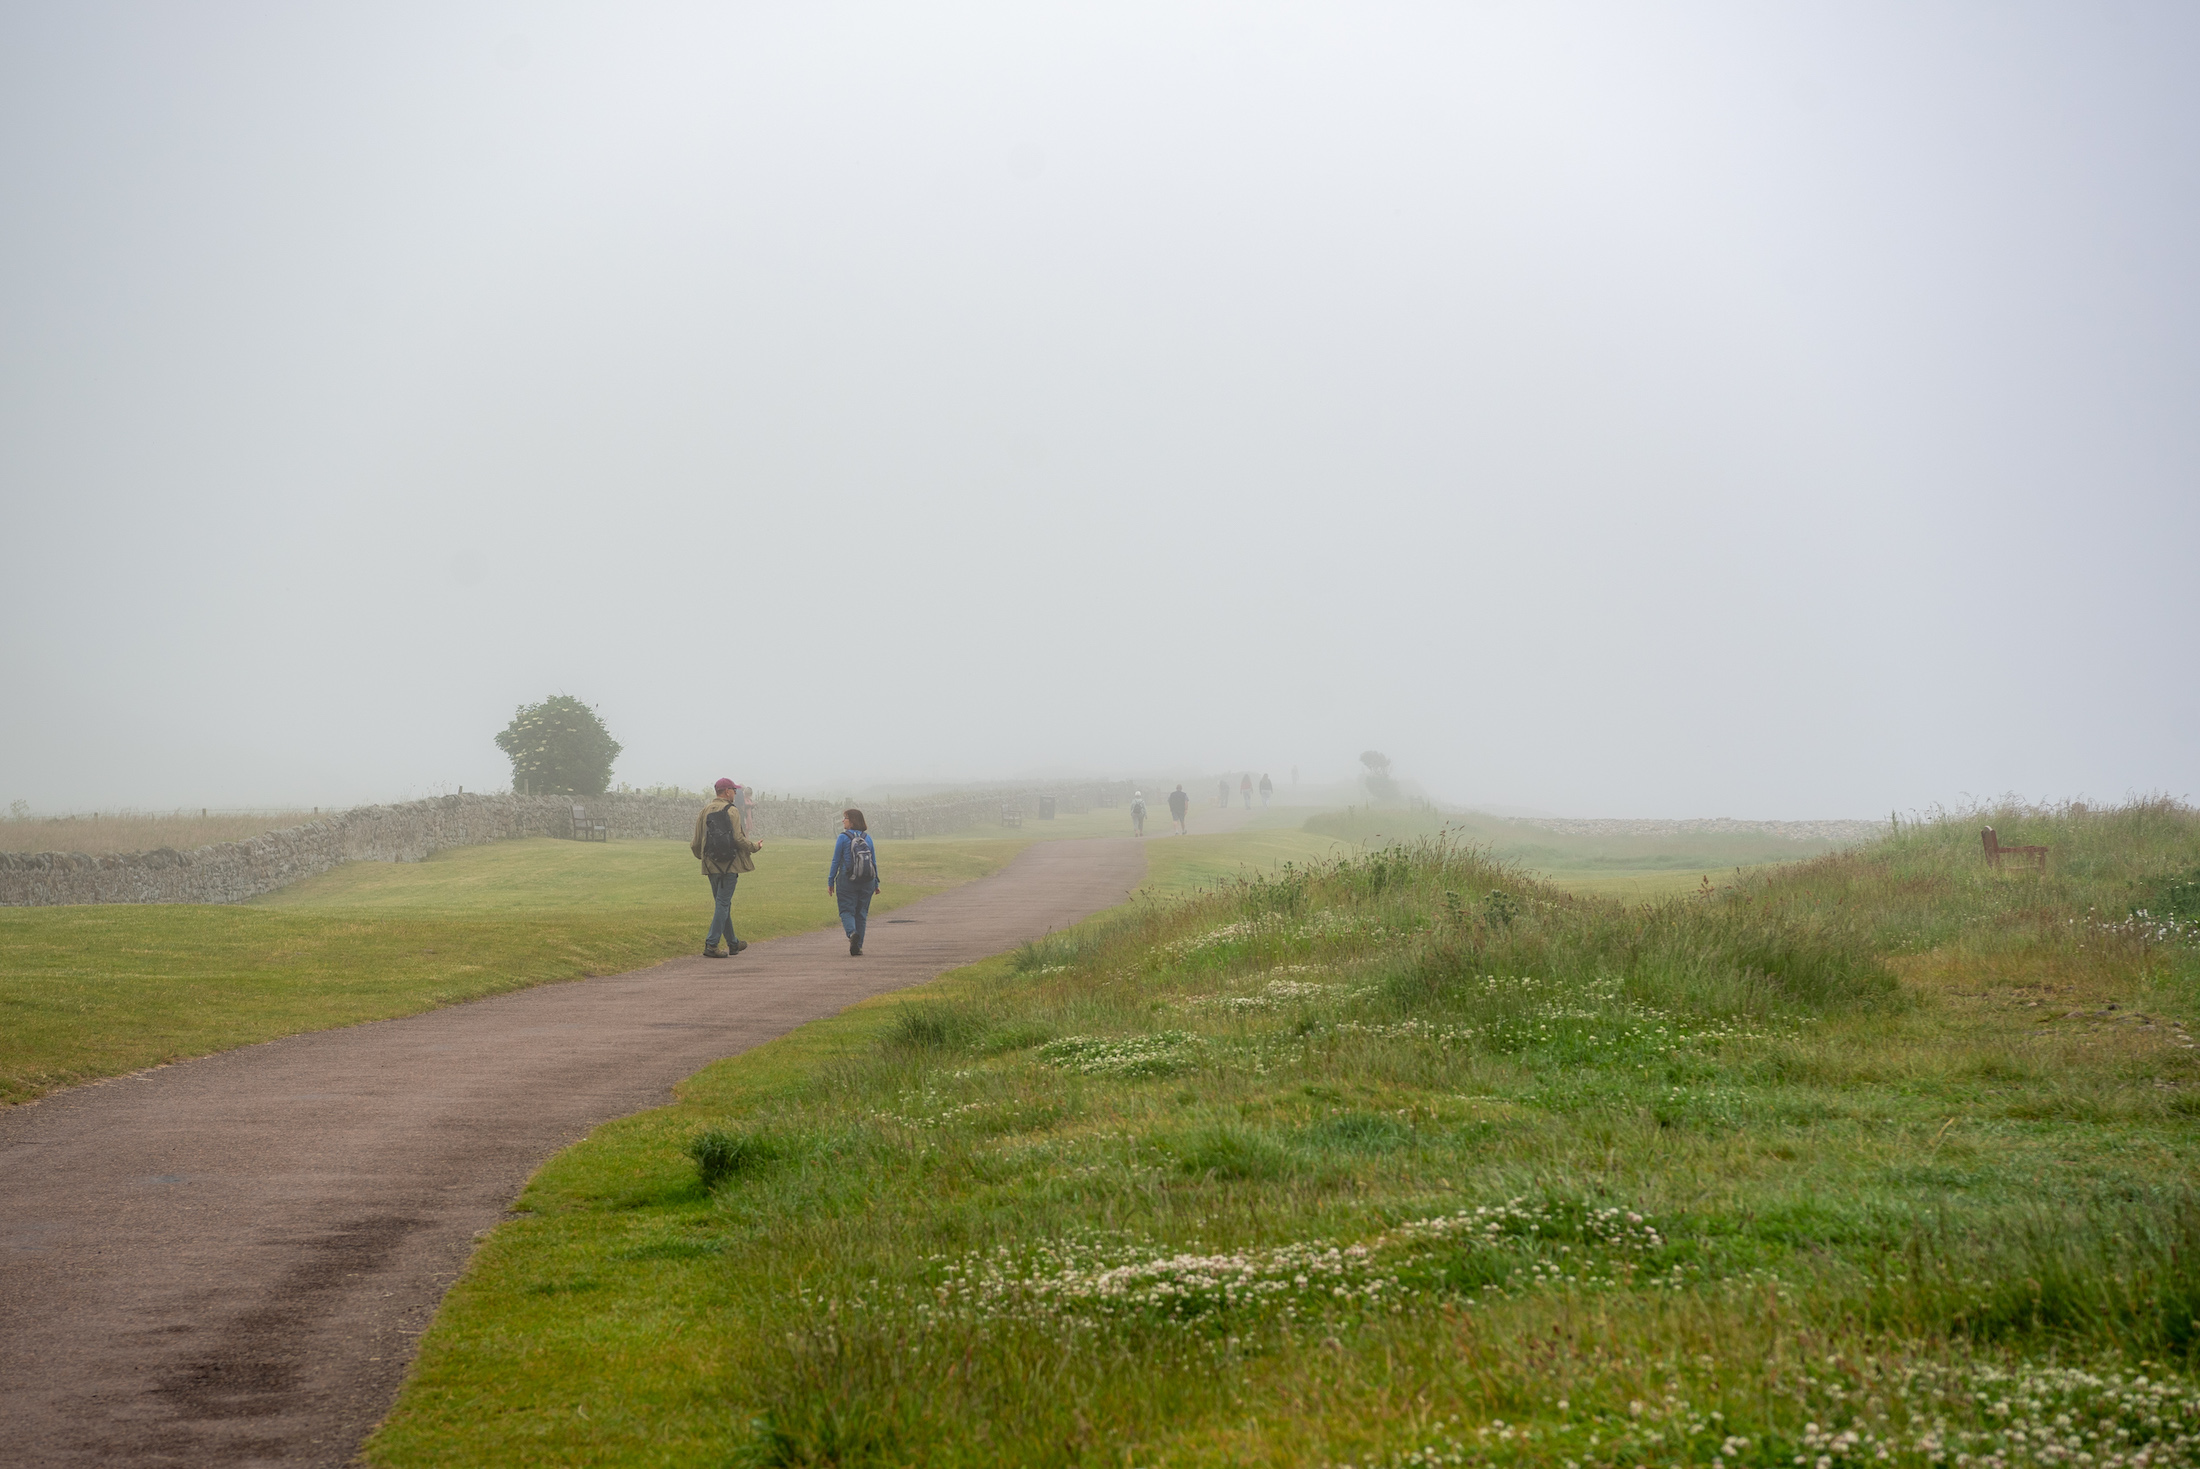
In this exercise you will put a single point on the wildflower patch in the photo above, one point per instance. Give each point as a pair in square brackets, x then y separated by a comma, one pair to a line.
[1857, 1415]
[1088, 1282]
[1162, 1053]
[1274, 995]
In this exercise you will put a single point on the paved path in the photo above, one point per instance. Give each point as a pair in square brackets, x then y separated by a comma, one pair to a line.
[228, 1261]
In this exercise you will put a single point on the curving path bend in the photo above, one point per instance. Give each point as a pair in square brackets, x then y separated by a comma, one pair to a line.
[228, 1261]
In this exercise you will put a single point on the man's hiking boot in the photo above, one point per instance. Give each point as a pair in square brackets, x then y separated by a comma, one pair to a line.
[855, 948]
[738, 946]
[710, 953]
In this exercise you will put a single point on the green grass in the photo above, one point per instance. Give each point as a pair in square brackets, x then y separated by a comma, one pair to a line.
[1406, 1159]
[1179, 865]
[103, 990]
[1537, 850]
[1634, 868]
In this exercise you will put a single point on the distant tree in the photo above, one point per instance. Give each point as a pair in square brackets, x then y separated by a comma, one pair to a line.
[1380, 787]
[559, 748]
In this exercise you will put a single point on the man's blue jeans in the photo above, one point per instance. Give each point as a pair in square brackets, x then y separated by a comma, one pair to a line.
[721, 917]
[855, 907]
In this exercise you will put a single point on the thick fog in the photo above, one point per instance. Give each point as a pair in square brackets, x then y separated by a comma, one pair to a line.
[1664, 410]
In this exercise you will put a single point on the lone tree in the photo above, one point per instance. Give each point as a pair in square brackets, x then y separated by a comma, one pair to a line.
[559, 748]
[1380, 786]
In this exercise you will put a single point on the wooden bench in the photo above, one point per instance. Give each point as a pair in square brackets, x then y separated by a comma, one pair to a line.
[1012, 816]
[587, 829]
[1995, 851]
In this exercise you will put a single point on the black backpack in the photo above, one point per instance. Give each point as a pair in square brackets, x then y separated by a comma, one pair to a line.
[718, 840]
[862, 867]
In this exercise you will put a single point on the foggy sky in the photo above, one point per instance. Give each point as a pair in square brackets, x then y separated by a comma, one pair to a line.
[1617, 410]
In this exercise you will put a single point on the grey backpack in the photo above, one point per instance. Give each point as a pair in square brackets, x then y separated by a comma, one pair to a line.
[862, 867]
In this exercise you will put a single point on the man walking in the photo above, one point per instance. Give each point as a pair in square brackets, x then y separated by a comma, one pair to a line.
[722, 844]
[1267, 788]
[1245, 788]
[1138, 813]
[1179, 803]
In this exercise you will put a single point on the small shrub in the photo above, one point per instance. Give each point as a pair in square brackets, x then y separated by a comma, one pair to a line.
[1359, 1132]
[721, 1153]
[1037, 956]
[934, 1027]
[1224, 1152]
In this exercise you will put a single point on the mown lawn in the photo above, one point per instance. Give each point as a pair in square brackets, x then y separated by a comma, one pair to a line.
[1405, 1160]
[101, 990]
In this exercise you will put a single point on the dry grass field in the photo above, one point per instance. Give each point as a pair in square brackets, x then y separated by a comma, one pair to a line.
[101, 832]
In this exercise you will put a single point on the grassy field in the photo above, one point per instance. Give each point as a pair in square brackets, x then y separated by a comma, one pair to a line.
[1179, 865]
[141, 831]
[1407, 1160]
[1631, 867]
[102, 990]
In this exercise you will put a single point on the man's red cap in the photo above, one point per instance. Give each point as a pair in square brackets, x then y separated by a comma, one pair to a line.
[723, 784]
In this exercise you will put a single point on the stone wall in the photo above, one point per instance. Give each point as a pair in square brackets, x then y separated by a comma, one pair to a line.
[231, 872]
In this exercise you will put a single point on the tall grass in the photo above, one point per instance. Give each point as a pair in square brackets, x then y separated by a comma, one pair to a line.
[2126, 1277]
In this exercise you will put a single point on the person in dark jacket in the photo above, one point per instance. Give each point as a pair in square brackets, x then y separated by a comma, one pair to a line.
[722, 869]
[1179, 804]
[853, 878]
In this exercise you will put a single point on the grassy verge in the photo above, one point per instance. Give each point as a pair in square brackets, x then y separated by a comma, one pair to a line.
[1405, 1160]
[101, 990]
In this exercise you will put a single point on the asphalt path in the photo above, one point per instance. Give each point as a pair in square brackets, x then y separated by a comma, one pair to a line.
[228, 1261]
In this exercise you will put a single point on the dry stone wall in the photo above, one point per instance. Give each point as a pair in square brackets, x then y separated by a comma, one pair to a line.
[231, 872]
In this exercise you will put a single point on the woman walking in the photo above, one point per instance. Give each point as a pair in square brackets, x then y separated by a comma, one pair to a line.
[723, 846]
[853, 877]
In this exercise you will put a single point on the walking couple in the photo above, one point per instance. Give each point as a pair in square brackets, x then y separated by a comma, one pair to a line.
[722, 845]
